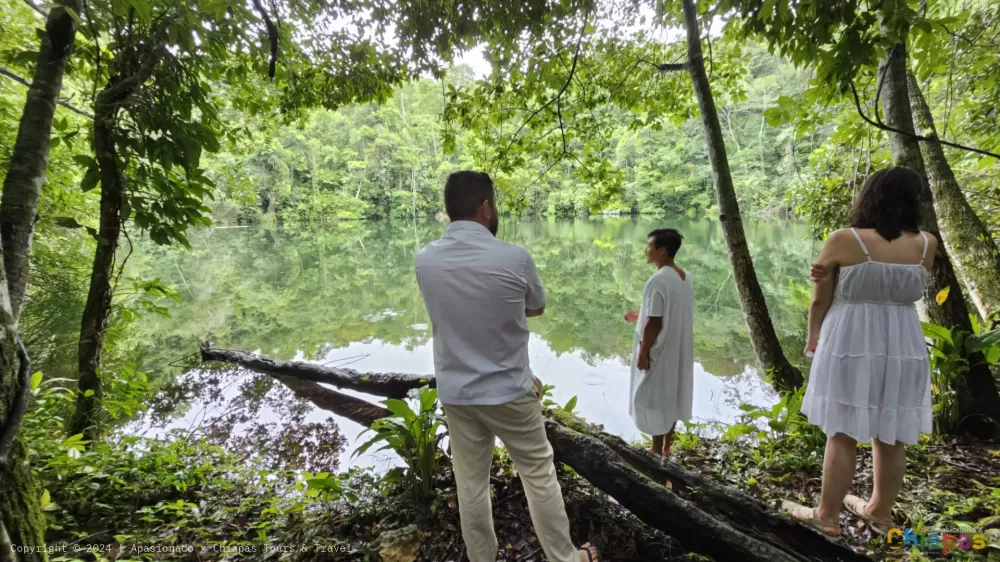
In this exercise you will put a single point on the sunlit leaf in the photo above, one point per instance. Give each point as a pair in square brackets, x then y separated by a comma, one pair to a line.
[942, 295]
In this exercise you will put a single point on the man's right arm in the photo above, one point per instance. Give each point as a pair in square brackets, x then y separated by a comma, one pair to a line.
[534, 299]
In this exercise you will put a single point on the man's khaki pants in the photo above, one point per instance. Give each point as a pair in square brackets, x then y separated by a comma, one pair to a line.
[473, 431]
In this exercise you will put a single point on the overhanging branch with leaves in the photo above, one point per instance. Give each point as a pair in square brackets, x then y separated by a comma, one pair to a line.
[884, 127]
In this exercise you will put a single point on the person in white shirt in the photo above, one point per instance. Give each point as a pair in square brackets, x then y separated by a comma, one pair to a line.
[479, 292]
[662, 384]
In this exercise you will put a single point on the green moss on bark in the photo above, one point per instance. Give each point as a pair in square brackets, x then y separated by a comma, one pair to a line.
[20, 510]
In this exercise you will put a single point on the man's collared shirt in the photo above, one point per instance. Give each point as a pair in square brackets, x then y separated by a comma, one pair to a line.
[476, 289]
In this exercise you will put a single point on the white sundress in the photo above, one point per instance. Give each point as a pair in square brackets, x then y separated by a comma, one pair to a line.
[870, 376]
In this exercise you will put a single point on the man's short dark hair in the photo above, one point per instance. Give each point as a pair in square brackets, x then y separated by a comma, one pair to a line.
[464, 193]
[667, 238]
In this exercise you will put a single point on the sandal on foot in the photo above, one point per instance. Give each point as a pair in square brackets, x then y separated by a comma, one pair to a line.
[859, 507]
[807, 516]
[591, 550]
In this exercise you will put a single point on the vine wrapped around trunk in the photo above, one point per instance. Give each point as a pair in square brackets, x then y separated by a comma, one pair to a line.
[113, 184]
[705, 516]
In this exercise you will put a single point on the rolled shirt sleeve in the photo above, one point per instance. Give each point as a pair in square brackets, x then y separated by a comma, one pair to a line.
[535, 294]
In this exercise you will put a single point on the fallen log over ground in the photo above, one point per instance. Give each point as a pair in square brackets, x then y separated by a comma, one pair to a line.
[705, 516]
[748, 514]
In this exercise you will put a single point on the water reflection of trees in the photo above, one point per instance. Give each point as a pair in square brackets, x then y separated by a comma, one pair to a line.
[314, 290]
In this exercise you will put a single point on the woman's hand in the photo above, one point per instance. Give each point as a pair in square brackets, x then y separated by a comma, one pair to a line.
[818, 271]
[810, 350]
[632, 316]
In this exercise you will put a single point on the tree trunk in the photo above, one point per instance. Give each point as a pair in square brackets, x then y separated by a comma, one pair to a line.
[703, 515]
[976, 255]
[98, 307]
[762, 335]
[30, 159]
[119, 91]
[21, 520]
[22, 523]
[978, 400]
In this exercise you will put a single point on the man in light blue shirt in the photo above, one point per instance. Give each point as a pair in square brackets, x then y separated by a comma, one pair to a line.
[479, 292]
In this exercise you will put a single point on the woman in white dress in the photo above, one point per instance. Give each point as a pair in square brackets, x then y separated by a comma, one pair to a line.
[870, 377]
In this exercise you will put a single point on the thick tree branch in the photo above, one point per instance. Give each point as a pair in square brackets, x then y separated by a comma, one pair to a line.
[355, 409]
[884, 127]
[392, 385]
[24, 82]
[272, 33]
[679, 67]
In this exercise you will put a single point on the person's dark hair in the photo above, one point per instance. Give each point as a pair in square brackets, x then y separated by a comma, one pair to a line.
[667, 238]
[889, 202]
[464, 192]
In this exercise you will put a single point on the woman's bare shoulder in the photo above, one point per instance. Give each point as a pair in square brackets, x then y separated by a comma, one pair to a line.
[840, 235]
[839, 238]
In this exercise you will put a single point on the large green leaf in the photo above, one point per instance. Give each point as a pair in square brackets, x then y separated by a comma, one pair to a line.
[400, 409]
[936, 332]
[328, 483]
[90, 179]
[428, 397]
[982, 341]
[368, 445]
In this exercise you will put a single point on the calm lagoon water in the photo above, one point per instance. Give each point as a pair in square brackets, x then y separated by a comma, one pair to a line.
[345, 295]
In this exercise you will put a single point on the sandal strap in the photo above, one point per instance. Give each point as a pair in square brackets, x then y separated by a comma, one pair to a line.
[807, 516]
[859, 507]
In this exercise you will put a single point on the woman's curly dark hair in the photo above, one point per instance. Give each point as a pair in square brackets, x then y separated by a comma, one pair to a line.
[889, 202]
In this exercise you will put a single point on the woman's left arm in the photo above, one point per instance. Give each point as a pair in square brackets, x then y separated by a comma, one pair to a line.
[822, 291]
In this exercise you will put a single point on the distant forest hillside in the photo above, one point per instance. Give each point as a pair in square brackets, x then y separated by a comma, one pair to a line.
[378, 161]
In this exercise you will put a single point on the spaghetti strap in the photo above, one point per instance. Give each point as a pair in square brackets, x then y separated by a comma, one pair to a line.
[924, 255]
[862, 244]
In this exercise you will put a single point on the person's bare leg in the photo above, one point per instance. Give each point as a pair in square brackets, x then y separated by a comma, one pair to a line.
[657, 445]
[838, 475]
[668, 440]
[890, 468]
